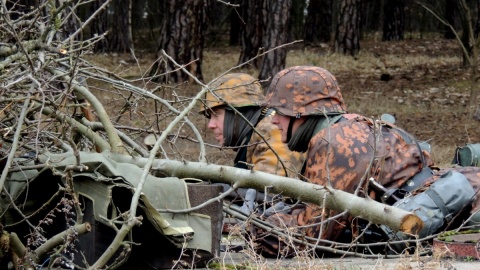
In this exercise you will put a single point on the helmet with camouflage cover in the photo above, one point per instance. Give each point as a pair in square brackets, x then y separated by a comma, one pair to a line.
[305, 90]
[236, 89]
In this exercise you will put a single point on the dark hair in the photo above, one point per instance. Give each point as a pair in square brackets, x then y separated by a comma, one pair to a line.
[236, 131]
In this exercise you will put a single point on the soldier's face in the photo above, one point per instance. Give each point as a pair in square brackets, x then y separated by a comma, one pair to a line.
[282, 121]
[216, 123]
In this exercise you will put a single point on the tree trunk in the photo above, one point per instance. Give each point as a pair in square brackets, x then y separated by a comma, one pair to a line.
[393, 20]
[183, 32]
[121, 39]
[467, 38]
[276, 34]
[235, 23]
[476, 29]
[450, 8]
[348, 27]
[372, 15]
[318, 23]
[297, 20]
[99, 26]
[254, 22]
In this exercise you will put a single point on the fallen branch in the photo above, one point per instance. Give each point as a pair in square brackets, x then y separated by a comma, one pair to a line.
[373, 211]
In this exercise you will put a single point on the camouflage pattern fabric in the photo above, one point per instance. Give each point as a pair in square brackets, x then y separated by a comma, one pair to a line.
[303, 90]
[235, 89]
[263, 158]
[340, 156]
[241, 90]
[345, 153]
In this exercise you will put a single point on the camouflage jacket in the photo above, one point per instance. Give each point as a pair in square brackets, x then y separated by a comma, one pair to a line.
[263, 158]
[358, 148]
[341, 156]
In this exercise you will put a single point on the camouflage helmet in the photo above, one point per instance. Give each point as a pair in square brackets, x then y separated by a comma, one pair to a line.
[305, 90]
[236, 89]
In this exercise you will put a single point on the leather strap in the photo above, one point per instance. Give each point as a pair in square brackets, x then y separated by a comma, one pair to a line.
[438, 201]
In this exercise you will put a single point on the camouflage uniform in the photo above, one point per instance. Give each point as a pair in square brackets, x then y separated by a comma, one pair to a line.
[242, 90]
[262, 157]
[350, 149]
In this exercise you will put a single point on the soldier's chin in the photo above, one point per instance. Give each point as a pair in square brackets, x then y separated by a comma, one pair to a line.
[219, 140]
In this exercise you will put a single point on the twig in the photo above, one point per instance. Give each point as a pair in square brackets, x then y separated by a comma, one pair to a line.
[16, 139]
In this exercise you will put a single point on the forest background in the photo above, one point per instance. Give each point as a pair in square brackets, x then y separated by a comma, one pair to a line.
[146, 61]
[413, 59]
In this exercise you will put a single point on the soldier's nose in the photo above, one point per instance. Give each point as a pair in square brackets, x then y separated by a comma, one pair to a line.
[275, 119]
[211, 124]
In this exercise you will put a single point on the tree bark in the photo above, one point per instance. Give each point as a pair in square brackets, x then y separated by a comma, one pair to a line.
[121, 39]
[318, 23]
[182, 39]
[468, 36]
[476, 29]
[235, 23]
[450, 8]
[393, 20]
[276, 34]
[297, 20]
[395, 218]
[99, 26]
[348, 28]
[254, 19]
[373, 12]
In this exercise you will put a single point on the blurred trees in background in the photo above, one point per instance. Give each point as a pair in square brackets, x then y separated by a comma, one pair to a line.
[318, 22]
[394, 19]
[253, 17]
[349, 20]
[276, 34]
[184, 28]
[182, 38]
[45, 94]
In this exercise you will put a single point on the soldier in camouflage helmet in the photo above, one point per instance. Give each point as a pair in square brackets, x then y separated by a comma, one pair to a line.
[243, 93]
[343, 151]
[233, 100]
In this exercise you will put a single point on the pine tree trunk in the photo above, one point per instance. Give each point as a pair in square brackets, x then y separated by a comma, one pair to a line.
[276, 34]
[297, 20]
[182, 39]
[467, 36]
[450, 10]
[476, 29]
[254, 18]
[318, 23]
[348, 27]
[235, 23]
[121, 38]
[99, 25]
[393, 20]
